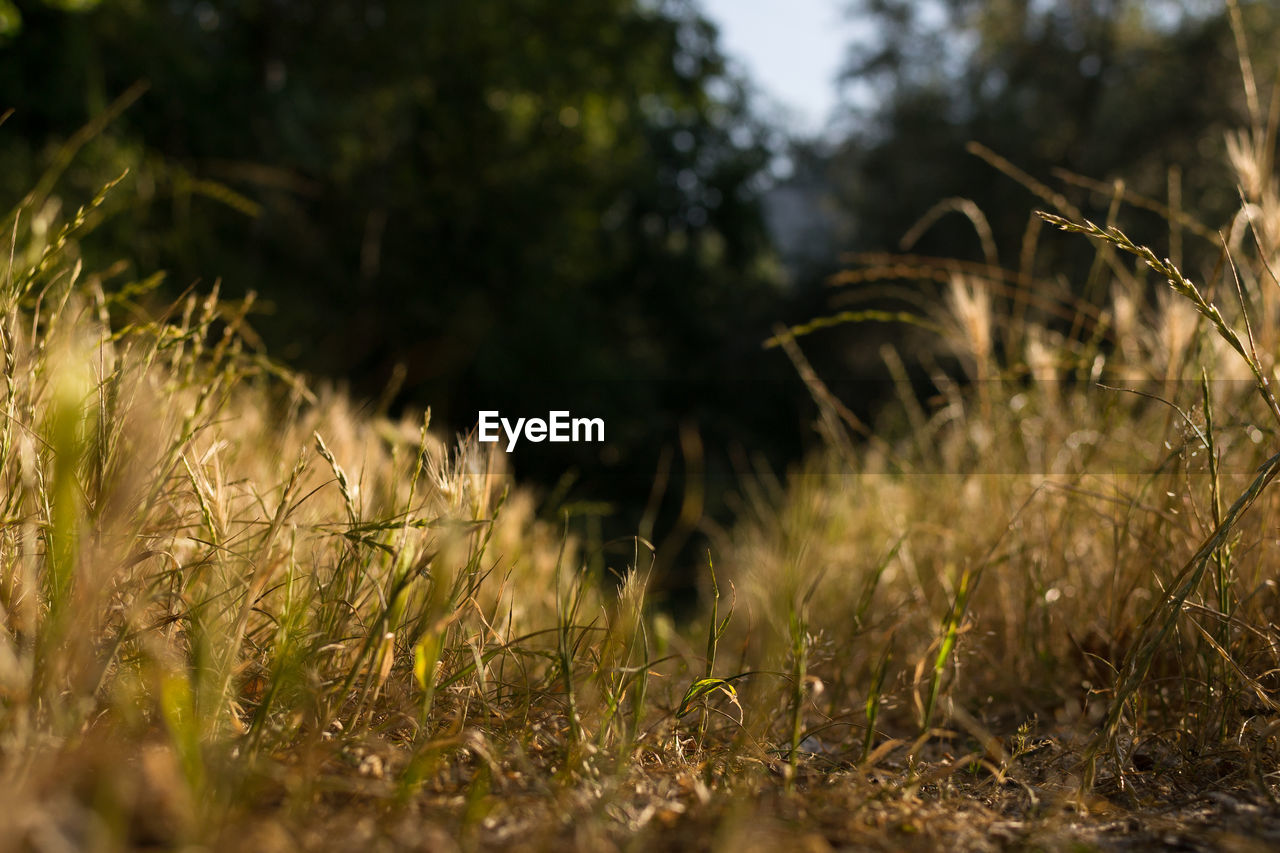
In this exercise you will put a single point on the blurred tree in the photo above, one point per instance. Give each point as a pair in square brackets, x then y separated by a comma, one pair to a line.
[523, 203]
[1105, 89]
[1142, 91]
[11, 16]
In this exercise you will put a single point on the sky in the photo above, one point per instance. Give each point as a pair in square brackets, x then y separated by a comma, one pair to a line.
[791, 49]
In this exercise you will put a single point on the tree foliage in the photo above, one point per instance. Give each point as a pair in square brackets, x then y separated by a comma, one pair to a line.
[524, 204]
[1105, 89]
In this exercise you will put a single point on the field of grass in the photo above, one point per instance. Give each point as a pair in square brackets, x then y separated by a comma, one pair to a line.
[239, 613]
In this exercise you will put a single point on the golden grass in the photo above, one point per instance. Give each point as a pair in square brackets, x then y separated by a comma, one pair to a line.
[1037, 611]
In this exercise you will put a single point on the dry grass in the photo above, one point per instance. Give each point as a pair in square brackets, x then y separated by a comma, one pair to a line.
[1034, 613]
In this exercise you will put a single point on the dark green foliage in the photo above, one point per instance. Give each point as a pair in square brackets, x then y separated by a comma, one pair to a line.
[522, 204]
[1075, 96]
[1104, 89]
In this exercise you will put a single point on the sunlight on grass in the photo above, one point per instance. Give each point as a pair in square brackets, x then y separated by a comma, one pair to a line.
[237, 610]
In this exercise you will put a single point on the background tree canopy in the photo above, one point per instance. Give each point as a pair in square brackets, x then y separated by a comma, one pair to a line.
[1077, 95]
[1103, 89]
[531, 204]
[508, 204]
